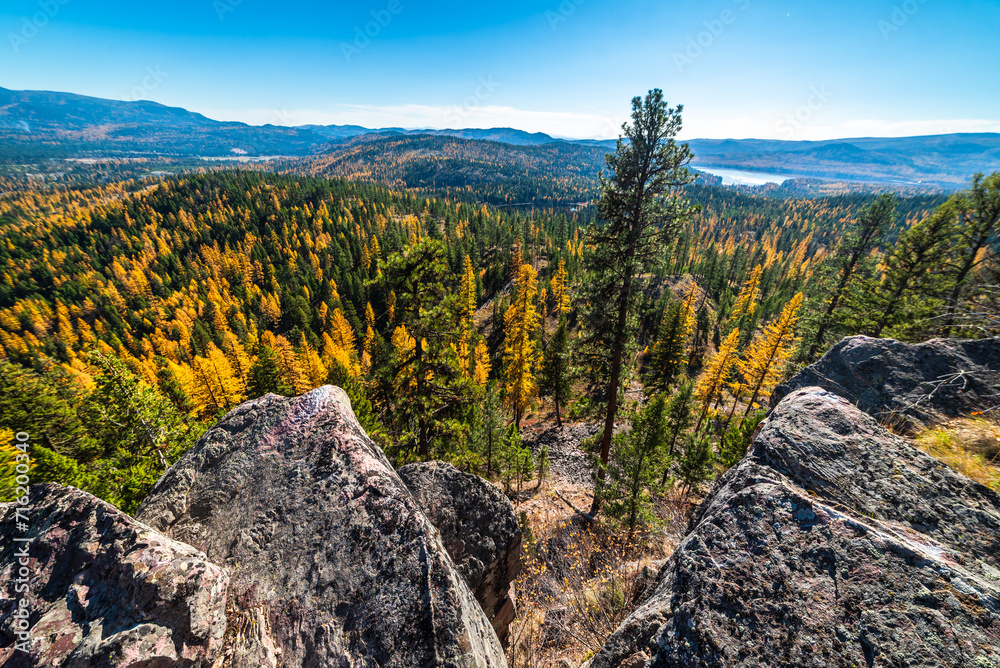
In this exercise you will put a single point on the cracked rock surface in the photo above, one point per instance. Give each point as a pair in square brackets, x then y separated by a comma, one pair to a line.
[833, 543]
[103, 589]
[331, 560]
[908, 386]
[478, 528]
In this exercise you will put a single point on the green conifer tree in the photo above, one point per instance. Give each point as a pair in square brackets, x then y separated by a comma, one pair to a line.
[639, 456]
[697, 463]
[555, 378]
[266, 375]
[641, 203]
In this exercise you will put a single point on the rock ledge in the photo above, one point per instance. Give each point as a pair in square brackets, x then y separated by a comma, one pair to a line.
[833, 542]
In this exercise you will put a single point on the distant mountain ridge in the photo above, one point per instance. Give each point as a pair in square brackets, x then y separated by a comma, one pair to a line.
[38, 125]
[33, 111]
[503, 135]
[938, 160]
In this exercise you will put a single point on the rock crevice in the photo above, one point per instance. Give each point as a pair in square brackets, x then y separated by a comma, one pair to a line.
[479, 529]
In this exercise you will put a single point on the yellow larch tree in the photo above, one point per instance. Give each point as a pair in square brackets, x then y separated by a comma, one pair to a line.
[746, 302]
[341, 331]
[481, 372]
[467, 295]
[366, 257]
[367, 348]
[768, 353]
[715, 378]
[559, 292]
[690, 314]
[238, 358]
[270, 307]
[520, 348]
[467, 289]
[404, 345]
[334, 353]
[312, 366]
[798, 257]
[342, 335]
[461, 349]
[67, 335]
[291, 368]
[215, 387]
[390, 305]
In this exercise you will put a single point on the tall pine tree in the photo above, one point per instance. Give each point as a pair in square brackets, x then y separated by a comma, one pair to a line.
[642, 207]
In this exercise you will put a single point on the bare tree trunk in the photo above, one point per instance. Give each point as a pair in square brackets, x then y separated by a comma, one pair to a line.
[616, 366]
[422, 438]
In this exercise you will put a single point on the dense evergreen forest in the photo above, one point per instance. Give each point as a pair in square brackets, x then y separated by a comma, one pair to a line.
[134, 314]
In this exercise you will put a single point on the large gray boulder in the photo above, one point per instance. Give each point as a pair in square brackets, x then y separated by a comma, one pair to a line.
[104, 590]
[907, 386]
[478, 528]
[331, 560]
[833, 543]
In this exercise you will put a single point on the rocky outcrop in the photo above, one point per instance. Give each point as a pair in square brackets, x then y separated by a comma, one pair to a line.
[833, 543]
[103, 589]
[907, 386]
[331, 560]
[478, 528]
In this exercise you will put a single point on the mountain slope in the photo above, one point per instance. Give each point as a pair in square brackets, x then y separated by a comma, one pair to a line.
[556, 172]
[39, 124]
[43, 111]
[36, 125]
[942, 160]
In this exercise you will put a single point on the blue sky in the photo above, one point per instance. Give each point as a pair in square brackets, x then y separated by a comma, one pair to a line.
[742, 68]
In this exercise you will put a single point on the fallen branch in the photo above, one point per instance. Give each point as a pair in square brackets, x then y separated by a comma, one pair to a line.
[587, 516]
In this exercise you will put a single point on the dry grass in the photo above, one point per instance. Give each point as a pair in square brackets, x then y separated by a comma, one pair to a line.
[971, 446]
[580, 582]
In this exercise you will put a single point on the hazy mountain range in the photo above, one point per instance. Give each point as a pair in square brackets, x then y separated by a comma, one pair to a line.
[40, 125]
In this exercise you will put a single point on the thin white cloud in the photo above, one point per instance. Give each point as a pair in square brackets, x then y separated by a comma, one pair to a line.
[597, 126]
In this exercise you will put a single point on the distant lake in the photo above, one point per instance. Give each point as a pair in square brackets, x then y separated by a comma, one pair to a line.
[741, 177]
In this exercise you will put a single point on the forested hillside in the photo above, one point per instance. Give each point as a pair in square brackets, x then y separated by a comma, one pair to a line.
[558, 173]
[133, 315]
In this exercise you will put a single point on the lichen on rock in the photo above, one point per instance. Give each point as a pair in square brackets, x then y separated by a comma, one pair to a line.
[106, 590]
[833, 542]
[325, 545]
